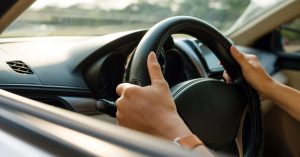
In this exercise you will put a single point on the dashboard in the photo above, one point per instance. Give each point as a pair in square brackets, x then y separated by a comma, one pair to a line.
[74, 72]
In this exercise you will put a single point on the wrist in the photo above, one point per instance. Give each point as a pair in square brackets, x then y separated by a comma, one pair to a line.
[189, 142]
[174, 127]
[271, 89]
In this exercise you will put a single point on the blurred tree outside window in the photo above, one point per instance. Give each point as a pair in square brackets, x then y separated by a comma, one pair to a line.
[98, 17]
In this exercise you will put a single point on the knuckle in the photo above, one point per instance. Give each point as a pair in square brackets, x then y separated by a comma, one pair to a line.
[118, 90]
[118, 87]
[119, 103]
[165, 84]
[251, 56]
[155, 66]
[128, 91]
[162, 83]
[255, 58]
[240, 56]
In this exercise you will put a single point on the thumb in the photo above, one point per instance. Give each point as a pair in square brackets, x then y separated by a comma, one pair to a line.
[154, 68]
[238, 56]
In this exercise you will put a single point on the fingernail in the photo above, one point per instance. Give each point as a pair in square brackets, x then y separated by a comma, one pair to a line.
[152, 57]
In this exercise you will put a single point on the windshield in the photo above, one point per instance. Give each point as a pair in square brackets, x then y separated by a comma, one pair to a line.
[98, 17]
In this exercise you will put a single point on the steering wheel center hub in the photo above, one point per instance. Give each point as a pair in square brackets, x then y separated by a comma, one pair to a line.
[212, 109]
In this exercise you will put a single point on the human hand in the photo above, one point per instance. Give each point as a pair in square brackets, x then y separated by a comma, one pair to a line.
[253, 72]
[150, 109]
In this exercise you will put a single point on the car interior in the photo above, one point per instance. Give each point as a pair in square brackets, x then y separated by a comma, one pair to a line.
[80, 73]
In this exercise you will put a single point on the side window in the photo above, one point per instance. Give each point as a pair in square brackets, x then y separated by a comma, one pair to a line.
[291, 36]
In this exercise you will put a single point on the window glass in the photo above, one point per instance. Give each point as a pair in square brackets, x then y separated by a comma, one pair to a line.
[98, 17]
[291, 36]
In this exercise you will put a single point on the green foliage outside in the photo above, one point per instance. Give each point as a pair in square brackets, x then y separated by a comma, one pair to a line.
[77, 20]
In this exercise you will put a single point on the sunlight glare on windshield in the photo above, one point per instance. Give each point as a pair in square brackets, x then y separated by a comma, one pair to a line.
[109, 4]
[262, 3]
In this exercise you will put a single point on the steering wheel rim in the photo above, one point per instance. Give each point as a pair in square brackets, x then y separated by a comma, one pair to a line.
[154, 39]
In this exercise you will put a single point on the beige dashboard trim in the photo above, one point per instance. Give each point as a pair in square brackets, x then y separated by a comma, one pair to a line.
[266, 23]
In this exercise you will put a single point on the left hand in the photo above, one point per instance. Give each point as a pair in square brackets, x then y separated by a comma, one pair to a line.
[253, 72]
[150, 109]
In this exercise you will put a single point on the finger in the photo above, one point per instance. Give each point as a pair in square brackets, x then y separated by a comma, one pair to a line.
[226, 77]
[238, 56]
[119, 103]
[251, 58]
[121, 87]
[154, 68]
[118, 116]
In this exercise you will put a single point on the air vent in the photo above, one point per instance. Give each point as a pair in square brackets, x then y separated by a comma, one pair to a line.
[20, 67]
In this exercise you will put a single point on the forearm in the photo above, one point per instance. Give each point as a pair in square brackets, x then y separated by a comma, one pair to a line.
[286, 98]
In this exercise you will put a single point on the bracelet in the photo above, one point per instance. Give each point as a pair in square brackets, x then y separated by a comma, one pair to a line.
[190, 141]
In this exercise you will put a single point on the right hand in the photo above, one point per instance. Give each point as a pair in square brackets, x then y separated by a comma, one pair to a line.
[253, 72]
[150, 109]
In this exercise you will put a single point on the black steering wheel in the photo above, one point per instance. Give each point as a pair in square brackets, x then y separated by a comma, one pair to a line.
[218, 113]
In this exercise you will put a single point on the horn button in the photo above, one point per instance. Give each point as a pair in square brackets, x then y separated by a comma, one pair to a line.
[212, 109]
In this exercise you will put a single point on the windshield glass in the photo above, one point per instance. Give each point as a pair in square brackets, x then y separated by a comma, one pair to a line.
[98, 17]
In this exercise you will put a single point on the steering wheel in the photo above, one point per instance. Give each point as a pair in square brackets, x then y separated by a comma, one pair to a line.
[218, 113]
